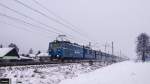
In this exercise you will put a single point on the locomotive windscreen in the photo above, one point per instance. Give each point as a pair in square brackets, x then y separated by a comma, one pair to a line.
[54, 45]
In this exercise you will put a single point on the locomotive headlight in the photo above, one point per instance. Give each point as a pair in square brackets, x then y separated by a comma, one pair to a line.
[57, 55]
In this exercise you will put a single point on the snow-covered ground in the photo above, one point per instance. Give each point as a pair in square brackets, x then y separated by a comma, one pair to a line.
[46, 74]
[121, 73]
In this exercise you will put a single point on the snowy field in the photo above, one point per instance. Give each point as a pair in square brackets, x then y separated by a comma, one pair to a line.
[46, 74]
[121, 73]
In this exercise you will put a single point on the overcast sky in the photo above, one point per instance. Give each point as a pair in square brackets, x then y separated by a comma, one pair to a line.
[102, 21]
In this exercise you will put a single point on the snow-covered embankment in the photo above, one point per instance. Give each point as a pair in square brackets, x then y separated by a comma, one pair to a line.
[120, 73]
[45, 74]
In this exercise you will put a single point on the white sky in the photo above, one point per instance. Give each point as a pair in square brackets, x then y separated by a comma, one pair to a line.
[102, 20]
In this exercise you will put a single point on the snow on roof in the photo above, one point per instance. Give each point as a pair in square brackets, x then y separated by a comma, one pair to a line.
[43, 54]
[4, 51]
[32, 55]
[23, 57]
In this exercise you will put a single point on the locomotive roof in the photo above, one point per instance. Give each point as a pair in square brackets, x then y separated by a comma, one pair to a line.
[56, 41]
[68, 42]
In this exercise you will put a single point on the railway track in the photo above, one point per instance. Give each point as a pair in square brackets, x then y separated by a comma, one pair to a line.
[5, 64]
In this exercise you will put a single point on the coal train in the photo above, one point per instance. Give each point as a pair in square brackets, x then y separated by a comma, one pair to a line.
[65, 50]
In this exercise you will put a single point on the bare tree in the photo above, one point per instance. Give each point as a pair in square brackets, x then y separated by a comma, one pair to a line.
[31, 51]
[142, 46]
[1, 46]
[38, 52]
[12, 45]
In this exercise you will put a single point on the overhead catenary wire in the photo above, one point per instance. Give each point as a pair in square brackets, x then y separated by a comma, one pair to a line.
[35, 10]
[26, 16]
[43, 14]
[25, 29]
[59, 17]
[52, 12]
[24, 22]
[27, 23]
[22, 28]
[71, 26]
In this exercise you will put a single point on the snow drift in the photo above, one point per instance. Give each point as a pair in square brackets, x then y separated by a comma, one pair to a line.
[120, 73]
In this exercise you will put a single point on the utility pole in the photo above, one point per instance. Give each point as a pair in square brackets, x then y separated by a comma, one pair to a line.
[120, 53]
[105, 48]
[90, 44]
[112, 48]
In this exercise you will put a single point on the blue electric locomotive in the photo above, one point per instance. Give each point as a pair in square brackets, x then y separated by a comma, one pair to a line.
[65, 50]
[68, 50]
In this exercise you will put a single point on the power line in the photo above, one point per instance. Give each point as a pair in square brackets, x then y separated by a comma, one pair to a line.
[30, 18]
[51, 12]
[22, 21]
[43, 14]
[40, 13]
[17, 27]
[73, 27]
[26, 23]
